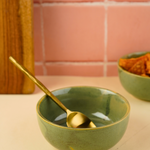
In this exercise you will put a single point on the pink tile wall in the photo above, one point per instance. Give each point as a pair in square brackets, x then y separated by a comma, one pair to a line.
[37, 1]
[87, 37]
[75, 69]
[39, 70]
[38, 34]
[73, 33]
[128, 30]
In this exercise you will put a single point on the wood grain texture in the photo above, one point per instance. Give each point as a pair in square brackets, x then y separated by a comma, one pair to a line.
[16, 39]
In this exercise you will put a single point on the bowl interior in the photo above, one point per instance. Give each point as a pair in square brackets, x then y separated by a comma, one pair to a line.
[102, 106]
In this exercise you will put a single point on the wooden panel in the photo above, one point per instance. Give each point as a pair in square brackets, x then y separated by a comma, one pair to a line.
[16, 39]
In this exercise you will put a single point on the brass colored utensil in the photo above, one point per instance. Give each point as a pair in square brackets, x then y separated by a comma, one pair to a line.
[74, 119]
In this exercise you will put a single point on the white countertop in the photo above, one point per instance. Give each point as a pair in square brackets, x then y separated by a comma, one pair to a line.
[19, 128]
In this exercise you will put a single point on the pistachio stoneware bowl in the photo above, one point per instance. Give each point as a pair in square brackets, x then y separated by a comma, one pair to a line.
[136, 85]
[107, 109]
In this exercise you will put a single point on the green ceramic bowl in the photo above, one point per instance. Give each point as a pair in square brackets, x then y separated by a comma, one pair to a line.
[136, 85]
[107, 109]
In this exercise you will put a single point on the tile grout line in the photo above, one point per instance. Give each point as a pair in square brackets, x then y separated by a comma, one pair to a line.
[38, 63]
[76, 63]
[105, 40]
[109, 3]
[113, 3]
[73, 3]
[43, 41]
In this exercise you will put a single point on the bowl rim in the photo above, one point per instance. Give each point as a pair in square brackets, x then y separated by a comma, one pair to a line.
[63, 127]
[129, 73]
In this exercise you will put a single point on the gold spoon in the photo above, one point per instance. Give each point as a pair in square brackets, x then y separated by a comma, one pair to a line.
[74, 119]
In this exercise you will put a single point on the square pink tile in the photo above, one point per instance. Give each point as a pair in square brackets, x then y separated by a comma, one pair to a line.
[39, 69]
[74, 32]
[75, 70]
[128, 30]
[72, 1]
[112, 70]
[37, 35]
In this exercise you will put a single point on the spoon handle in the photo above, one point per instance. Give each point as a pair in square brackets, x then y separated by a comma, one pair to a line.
[38, 83]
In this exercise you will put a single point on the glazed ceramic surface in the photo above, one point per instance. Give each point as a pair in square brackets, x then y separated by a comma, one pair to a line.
[136, 85]
[107, 109]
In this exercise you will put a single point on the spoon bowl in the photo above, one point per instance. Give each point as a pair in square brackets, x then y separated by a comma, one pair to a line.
[74, 119]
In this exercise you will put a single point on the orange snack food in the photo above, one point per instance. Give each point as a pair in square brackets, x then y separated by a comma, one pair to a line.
[148, 67]
[139, 65]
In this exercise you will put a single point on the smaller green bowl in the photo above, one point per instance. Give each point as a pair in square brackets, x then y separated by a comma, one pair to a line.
[136, 85]
[107, 109]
